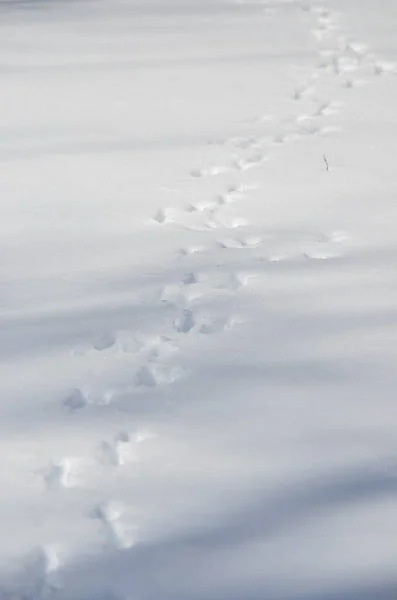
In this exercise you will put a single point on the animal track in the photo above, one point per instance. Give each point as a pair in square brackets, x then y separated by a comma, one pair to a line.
[231, 195]
[282, 138]
[232, 223]
[174, 294]
[184, 292]
[186, 322]
[345, 64]
[245, 242]
[313, 254]
[320, 255]
[118, 341]
[322, 32]
[189, 278]
[38, 577]
[76, 400]
[302, 93]
[206, 205]
[206, 324]
[385, 68]
[235, 193]
[244, 164]
[327, 21]
[309, 130]
[210, 324]
[154, 347]
[189, 250]
[334, 237]
[79, 399]
[49, 564]
[160, 216]
[240, 164]
[111, 515]
[247, 143]
[327, 109]
[123, 449]
[357, 48]
[105, 341]
[265, 118]
[210, 171]
[154, 375]
[58, 475]
[165, 216]
[354, 83]
[240, 280]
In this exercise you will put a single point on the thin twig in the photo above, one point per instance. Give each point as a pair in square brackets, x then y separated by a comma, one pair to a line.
[326, 162]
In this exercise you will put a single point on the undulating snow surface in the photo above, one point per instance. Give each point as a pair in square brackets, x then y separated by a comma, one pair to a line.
[198, 280]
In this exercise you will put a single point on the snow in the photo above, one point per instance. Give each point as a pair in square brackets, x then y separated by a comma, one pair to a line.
[198, 300]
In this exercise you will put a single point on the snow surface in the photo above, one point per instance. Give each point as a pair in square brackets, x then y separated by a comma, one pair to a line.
[198, 300]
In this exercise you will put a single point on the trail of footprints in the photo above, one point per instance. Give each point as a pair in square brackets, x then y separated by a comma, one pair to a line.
[350, 63]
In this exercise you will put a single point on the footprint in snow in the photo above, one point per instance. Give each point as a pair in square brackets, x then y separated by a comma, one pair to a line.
[157, 346]
[243, 242]
[327, 21]
[210, 171]
[190, 278]
[105, 341]
[320, 255]
[177, 295]
[123, 448]
[339, 64]
[319, 11]
[239, 280]
[357, 48]
[235, 193]
[39, 575]
[211, 325]
[344, 65]
[336, 236]
[264, 118]
[329, 53]
[161, 216]
[204, 205]
[226, 223]
[247, 143]
[385, 68]
[327, 109]
[154, 375]
[322, 33]
[232, 194]
[282, 138]
[190, 250]
[49, 564]
[180, 294]
[302, 93]
[309, 130]
[215, 222]
[240, 164]
[166, 216]
[303, 256]
[58, 475]
[118, 533]
[127, 343]
[244, 164]
[354, 83]
[76, 400]
[116, 341]
[226, 281]
[79, 399]
[205, 324]
[185, 322]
